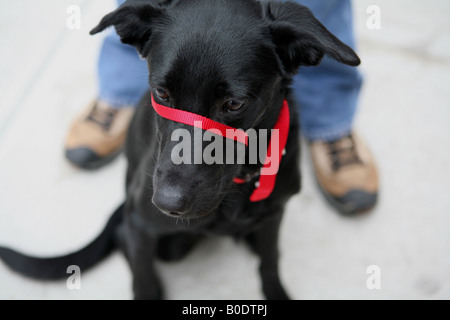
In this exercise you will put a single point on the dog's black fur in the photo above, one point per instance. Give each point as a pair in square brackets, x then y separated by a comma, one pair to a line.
[203, 52]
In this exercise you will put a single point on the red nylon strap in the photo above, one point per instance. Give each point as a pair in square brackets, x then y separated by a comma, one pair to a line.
[193, 120]
[266, 181]
[239, 181]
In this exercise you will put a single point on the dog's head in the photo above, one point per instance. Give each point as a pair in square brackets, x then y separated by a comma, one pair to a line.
[227, 60]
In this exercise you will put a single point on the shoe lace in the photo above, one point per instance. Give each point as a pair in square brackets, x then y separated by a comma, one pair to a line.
[343, 152]
[102, 117]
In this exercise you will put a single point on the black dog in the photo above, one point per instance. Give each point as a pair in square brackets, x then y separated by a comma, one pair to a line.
[230, 61]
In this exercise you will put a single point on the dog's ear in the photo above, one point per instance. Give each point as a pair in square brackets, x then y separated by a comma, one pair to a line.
[301, 39]
[133, 23]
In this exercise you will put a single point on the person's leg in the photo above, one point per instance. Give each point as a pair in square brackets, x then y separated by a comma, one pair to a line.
[122, 75]
[328, 97]
[97, 135]
[328, 94]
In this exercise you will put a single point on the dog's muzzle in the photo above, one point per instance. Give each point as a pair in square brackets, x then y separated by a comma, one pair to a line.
[266, 184]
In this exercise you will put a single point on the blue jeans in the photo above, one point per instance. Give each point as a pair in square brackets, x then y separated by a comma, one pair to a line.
[327, 94]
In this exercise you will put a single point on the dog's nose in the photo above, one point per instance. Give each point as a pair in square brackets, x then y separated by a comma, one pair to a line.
[171, 201]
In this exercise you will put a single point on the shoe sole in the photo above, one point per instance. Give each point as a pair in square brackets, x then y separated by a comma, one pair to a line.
[86, 159]
[351, 209]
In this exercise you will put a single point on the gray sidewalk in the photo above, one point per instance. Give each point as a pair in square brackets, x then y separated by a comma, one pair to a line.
[47, 207]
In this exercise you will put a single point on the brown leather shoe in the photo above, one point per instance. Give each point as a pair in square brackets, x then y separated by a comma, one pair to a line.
[97, 135]
[346, 174]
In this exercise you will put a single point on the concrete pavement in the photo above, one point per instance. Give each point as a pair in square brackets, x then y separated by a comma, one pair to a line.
[47, 207]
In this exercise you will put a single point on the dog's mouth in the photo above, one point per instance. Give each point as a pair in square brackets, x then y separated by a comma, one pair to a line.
[190, 216]
[194, 214]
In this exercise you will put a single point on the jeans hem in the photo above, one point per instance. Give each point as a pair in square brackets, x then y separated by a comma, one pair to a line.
[329, 134]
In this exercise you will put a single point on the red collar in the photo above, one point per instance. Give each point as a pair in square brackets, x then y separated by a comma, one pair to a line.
[266, 183]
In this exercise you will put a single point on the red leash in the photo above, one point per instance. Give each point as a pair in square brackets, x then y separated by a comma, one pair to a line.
[267, 179]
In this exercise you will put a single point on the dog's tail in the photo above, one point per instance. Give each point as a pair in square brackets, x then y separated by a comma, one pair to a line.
[56, 268]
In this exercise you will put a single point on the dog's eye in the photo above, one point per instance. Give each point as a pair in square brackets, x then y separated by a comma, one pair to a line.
[234, 105]
[162, 94]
